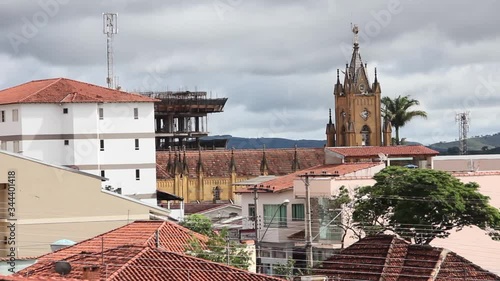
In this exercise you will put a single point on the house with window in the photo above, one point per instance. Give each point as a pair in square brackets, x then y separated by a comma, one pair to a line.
[105, 132]
[277, 210]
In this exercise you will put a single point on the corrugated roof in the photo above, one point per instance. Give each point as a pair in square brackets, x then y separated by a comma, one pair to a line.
[63, 90]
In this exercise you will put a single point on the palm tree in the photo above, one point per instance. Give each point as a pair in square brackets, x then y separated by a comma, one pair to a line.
[397, 111]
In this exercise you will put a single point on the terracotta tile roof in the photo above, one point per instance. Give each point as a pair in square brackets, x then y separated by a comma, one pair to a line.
[63, 90]
[386, 257]
[194, 208]
[216, 163]
[127, 263]
[173, 237]
[35, 278]
[373, 151]
[286, 182]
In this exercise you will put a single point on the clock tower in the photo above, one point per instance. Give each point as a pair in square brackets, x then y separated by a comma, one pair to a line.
[358, 121]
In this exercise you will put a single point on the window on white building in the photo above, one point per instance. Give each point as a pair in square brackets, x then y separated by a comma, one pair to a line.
[15, 115]
[136, 144]
[136, 113]
[137, 174]
[66, 142]
[3, 145]
[251, 212]
[17, 146]
[65, 110]
[103, 175]
[101, 113]
[2, 116]
[101, 145]
[275, 215]
[298, 212]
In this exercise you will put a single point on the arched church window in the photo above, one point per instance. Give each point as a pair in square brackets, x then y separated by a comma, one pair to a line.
[216, 193]
[344, 136]
[365, 135]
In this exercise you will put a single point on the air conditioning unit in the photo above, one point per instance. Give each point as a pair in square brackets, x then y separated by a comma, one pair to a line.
[313, 278]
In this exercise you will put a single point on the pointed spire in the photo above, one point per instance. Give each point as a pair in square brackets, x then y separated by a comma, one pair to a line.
[169, 163]
[263, 162]
[185, 167]
[376, 81]
[295, 163]
[176, 167]
[338, 76]
[232, 163]
[330, 118]
[199, 164]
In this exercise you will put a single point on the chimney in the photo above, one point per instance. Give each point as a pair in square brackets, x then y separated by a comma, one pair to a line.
[91, 273]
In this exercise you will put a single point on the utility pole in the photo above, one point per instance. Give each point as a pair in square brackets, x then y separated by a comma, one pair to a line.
[309, 250]
[308, 220]
[255, 189]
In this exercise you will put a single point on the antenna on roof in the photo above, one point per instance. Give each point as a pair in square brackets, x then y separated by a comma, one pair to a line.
[62, 267]
[110, 27]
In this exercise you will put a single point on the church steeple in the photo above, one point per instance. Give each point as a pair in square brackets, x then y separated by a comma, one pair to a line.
[295, 163]
[330, 131]
[357, 107]
[263, 163]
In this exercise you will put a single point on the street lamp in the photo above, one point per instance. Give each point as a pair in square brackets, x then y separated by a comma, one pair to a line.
[259, 238]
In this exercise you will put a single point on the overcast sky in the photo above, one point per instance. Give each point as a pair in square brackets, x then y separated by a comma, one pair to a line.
[275, 60]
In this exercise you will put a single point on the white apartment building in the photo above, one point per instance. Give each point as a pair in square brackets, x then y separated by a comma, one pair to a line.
[101, 131]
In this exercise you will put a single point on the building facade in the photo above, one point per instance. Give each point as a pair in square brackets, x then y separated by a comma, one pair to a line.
[48, 202]
[358, 119]
[104, 132]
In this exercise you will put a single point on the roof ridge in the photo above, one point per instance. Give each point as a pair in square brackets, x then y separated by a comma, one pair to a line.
[152, 236]
[39, 90]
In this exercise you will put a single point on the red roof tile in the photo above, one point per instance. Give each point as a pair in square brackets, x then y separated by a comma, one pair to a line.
[63, 90]
[216, 163]
[386, 257]
[127, 263]
[373, 151]
[286, 182]
[173, 238]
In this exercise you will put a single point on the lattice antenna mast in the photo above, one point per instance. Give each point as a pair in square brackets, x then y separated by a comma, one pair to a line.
[110, 28]
[463, 120]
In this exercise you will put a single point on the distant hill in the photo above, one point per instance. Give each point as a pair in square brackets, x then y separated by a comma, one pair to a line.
[483, 144]
[256, 143]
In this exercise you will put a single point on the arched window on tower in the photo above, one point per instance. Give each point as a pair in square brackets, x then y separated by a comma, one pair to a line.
[344, 136]
[365, 135]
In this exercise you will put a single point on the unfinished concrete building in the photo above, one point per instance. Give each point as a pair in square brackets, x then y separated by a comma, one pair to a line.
[181, 120]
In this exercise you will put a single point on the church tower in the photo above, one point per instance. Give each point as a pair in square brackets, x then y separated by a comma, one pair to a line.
[358, 121]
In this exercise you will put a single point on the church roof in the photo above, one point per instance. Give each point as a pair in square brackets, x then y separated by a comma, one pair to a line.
[216, 163]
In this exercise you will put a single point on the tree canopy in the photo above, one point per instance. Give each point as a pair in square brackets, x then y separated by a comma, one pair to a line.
[421, 205]
[219, 247]
[398, 111]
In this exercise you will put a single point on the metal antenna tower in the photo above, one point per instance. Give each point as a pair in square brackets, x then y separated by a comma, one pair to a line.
[110, 27]
[463, 120]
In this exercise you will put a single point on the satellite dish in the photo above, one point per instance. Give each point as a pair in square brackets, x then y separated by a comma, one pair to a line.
[63, 267]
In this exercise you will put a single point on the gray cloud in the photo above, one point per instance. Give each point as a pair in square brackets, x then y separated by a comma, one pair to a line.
[267, 56]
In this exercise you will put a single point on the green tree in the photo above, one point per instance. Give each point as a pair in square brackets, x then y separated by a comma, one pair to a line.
[422, 204]
[219, 248]
[398, 112]
[198, 223]
[286, 270]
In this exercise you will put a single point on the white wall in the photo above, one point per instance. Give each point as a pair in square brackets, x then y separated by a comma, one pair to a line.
[9, 127]
[48, 122]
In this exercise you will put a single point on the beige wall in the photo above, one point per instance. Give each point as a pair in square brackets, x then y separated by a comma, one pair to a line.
[53, 203]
